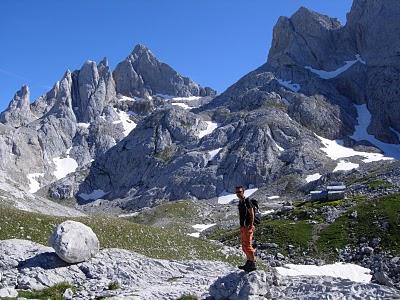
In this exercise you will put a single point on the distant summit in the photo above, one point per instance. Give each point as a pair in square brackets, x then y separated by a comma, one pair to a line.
[142, 74]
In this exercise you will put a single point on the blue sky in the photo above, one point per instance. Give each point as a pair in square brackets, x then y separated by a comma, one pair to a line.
[215, 42]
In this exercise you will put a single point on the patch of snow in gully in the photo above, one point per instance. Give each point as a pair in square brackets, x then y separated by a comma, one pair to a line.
[34, 185]
[64, 166]
[332, 74]
[127, 123]
[294, 87]
[96, 194]
[360, 133]
[213, 153]
[211, 126]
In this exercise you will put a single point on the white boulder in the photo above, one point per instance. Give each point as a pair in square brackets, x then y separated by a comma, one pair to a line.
[74, 242]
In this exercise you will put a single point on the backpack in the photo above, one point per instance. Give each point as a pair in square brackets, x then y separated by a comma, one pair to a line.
[257, 213]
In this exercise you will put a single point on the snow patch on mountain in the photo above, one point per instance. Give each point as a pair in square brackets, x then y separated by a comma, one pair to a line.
[83, 125]
[211, 126]
[294, 87]
[338, 270]
[360, 133]
[64, 166]
[213, 153]
[226, 198]
[313, 177]
[125, 98]
[332, 74]
[34, 185]
[334, 149]
[183, 105]
[200, 228]
[345, 166]
[96, 194]
[127, 123]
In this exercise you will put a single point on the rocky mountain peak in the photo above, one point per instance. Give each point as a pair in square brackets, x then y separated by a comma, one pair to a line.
[307, 38]
[304, 15]
[103, 62]
[142, 74]
[140, 49]
[18, 112]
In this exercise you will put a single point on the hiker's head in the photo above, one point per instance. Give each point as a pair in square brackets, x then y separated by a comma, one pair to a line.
[239, 191]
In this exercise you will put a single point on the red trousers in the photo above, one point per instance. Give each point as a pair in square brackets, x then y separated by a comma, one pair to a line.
[246, 238]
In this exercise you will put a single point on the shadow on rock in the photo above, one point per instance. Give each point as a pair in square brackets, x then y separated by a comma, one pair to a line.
[46, 260]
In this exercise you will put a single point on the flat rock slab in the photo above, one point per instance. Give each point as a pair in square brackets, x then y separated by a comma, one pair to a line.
[27, 265]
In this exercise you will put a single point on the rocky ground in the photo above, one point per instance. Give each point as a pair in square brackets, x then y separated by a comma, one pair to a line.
[27, 265]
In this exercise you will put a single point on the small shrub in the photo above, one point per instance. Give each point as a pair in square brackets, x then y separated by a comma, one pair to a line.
[187, 297]
[114, 285]
[54, 292]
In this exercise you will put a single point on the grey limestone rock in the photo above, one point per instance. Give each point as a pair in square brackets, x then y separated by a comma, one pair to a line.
[96, 89]
[238, 286]
[74, 242]
[18, 112]
[142, 74]
[374, 28]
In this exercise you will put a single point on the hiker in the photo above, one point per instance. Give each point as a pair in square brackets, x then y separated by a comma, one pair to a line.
[246, 216]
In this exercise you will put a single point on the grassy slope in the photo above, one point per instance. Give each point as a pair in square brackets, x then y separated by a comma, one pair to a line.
[172, 215]
[113, 233]
[322, 240]
[371, 214]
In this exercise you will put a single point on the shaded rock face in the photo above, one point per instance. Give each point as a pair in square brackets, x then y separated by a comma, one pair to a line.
[374, 27]
[307, 38]
[310, 39]
[74, 242]
[142, 74]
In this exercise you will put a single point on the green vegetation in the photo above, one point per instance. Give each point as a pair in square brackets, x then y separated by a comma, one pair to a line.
[375, 218]
[379, 184]
[114, 233]
[54, 293]
[187, 297]
[284, 233]
[114, 285]
[281, 232]
[178, 211]
[166, 154]
[371, 180]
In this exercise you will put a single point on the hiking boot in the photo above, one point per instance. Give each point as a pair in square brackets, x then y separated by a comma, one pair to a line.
[245, 265]
[251, 266]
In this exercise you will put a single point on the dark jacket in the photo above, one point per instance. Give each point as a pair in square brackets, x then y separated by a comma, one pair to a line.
[244, 216]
